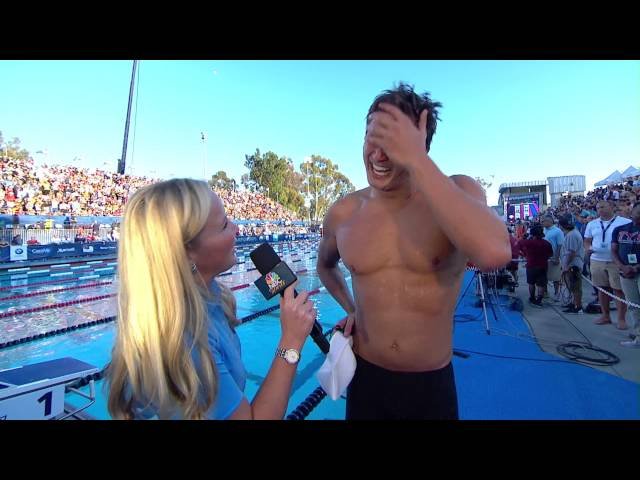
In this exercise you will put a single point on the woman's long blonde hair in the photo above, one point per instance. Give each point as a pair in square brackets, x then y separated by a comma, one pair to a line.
[162, 313]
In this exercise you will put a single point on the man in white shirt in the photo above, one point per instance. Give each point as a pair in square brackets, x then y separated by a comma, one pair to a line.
[604, 272]
[615, 194]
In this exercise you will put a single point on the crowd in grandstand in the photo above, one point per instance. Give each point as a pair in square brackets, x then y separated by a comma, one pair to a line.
[624, 195]
[254, 206]
[26, 189]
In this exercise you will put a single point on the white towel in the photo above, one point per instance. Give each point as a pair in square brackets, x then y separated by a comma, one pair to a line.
[338, 369]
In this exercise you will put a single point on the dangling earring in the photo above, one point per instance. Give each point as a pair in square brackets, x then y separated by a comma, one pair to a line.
[194, 269]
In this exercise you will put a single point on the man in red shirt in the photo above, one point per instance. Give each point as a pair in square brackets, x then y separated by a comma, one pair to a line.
[537, 251]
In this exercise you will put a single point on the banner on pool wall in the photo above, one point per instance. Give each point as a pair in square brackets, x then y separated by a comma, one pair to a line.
[18, 252]
[39, 252]
[105, 248]
[5, 254]
[54, 251]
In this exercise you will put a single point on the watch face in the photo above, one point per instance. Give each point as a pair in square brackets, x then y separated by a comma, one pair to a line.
[291, 356]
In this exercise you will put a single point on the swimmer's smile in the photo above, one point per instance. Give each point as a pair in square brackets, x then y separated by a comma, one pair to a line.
[380, 170]
[379, 164]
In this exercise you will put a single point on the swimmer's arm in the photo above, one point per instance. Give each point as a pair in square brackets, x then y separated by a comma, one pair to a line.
[459, 206]
[327, 265]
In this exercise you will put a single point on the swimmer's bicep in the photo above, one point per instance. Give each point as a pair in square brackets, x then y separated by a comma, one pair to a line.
[328, 254]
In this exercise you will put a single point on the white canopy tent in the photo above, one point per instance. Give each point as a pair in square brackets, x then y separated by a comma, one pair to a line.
[631, 171]
[615, 177]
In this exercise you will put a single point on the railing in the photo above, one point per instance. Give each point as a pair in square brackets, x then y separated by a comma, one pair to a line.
[45, 236]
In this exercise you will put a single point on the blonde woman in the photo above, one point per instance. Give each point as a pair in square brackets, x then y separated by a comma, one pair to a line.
[176, 354]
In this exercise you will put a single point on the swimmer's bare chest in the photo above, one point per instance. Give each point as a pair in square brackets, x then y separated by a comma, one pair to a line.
[406, 276]
[376, 238]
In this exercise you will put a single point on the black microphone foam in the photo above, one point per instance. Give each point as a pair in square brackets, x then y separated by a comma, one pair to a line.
[265, 258]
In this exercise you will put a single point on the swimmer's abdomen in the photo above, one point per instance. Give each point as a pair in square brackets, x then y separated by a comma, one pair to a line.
[404, 320]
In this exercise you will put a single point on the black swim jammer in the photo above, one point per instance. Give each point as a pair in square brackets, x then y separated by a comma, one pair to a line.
[376, 393]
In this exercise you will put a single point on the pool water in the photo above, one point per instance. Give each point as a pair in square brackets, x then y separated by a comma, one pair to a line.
[258, 337]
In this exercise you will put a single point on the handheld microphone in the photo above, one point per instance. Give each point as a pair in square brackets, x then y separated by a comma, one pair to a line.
[276, 276]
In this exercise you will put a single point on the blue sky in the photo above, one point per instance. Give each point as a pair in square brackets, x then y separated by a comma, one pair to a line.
[516, 120]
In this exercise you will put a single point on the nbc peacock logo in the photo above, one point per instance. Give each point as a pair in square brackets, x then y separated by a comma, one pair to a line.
[274, 282]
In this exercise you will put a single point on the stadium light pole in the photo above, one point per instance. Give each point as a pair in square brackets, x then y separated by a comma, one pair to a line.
[307, 200]
[123, 158]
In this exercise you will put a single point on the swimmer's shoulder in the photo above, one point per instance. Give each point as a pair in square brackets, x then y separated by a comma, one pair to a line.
[470, 186]
[344, 208]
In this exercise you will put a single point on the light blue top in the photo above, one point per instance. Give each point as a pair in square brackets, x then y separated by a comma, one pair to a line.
[225, 348]
[555, 237]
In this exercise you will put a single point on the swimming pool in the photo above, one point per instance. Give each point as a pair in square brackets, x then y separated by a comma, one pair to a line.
[506, 375]
[34, 301]
[258, 337]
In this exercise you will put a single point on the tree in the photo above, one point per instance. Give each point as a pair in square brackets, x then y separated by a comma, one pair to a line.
[324, 185]
[483, 183]
[276, 177]
[13, 149]
[246, 183]
[221, 181]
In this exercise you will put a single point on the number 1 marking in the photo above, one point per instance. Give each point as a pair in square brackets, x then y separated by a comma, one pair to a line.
[46, 398]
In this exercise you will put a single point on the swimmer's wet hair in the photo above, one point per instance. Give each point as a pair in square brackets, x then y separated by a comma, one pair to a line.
[406, 99]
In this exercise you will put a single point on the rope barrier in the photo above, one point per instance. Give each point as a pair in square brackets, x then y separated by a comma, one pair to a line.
[62, 280]
[59, 331]
[45, 292]
[47, 268]
[622, 300]
[49, 282]
[55, 305]
[307, 405]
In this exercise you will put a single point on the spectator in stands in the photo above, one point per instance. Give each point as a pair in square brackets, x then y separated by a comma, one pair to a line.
[604, 272]
[33, 241]
[537, 251]
[17, 240]
[625, 252]
[555, 237]
[176, 353]
[572, 261]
